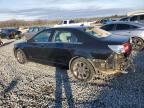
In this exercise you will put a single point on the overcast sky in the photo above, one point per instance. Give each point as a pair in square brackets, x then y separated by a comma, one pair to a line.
[63, 9]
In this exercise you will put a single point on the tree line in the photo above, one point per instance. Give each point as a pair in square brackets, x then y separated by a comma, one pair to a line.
[39, 22]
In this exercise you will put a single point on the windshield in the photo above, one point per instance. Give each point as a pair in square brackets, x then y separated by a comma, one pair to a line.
[97, 32]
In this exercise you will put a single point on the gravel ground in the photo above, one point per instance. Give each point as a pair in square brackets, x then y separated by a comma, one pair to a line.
[35, 85]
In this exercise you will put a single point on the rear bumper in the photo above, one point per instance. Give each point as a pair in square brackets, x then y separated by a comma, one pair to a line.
[115, 63]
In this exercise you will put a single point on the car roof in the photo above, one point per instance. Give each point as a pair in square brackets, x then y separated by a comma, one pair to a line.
[73, 27]
[127, 22]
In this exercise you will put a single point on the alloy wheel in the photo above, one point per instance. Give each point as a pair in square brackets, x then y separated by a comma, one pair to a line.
[20, 56]
[81, 70]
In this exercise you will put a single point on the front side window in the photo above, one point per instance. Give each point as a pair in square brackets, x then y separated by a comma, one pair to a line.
[65, 37]
[42, 37]
[123, 27]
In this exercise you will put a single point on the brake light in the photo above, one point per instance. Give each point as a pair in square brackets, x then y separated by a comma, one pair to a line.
[127, 47]
[121, 49]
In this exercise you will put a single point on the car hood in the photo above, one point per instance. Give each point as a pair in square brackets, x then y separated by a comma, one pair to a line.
[20, 42]
[114, 39]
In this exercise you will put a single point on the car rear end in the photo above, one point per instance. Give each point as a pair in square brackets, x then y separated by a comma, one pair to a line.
[118, 58]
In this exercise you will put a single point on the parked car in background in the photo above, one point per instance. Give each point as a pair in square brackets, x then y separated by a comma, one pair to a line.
[85, 52]
[130, 29]
[10, 33]
[134, 18]
[23, 29]
[34, 30]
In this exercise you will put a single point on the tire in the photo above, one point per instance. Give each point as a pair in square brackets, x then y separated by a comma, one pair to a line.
[21, 57]
[82, 69]
[137, 43]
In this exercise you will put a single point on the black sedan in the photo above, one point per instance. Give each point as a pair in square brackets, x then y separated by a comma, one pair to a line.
[84, 52]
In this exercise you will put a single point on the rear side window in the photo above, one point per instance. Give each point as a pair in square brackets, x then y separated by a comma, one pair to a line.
[123, 27]
[109, 27]
[65, 37]
[141, 17]
[134, 18]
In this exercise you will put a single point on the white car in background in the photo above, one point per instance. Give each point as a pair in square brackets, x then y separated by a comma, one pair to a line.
[72, 23]
[135, 18]
[131, 29]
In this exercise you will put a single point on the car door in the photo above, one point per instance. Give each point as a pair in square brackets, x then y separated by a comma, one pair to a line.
[122, 29]
[63, 46]
[39, 44]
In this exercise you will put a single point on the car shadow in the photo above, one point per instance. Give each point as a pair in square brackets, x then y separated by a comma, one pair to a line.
[63, 83]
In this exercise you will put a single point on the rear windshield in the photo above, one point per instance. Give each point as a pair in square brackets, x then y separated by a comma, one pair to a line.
[97, 32]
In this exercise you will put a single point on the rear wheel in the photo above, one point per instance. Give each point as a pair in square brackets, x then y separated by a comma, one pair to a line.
[137, 43]
[21, 57]
[82, 69]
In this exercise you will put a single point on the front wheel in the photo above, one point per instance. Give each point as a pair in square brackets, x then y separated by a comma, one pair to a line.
[82, 69]
[21, 57]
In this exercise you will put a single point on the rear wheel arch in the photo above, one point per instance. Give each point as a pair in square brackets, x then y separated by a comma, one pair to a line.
[134, 37]
[78, 55]
[72, 59]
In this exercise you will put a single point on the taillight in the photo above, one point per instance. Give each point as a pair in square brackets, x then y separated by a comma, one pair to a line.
[121, 49]
[127, 47]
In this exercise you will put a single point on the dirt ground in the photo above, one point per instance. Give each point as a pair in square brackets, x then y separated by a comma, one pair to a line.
[35, 85]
